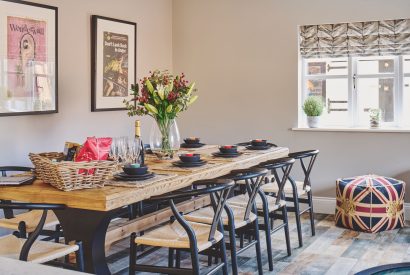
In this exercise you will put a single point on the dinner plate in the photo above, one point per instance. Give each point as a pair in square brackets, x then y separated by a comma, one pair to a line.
[196, 145]
[125, 177]
[226, 155]
[251, 147]
[179, 163]
[248, 143]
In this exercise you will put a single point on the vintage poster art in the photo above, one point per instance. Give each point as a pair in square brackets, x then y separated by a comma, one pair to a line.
[26, 48]
[28, 58]
[113, 51]
[115, 75]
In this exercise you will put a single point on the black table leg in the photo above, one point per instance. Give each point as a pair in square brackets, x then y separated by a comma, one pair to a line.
[90, 227]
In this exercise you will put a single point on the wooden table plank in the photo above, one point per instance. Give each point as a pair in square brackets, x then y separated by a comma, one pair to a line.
[112, 197]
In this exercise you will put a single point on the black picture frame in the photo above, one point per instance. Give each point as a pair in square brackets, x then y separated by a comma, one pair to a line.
[55, 56]
[95, 55]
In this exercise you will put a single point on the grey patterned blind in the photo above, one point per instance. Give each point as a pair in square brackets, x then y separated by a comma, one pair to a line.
[389, 37]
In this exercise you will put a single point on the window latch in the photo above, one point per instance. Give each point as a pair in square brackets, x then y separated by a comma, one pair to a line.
[354, 81]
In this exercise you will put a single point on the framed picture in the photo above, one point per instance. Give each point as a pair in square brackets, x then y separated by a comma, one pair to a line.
[113, 64]
[28, 58]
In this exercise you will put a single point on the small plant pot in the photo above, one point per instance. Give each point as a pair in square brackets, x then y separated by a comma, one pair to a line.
[313, 121]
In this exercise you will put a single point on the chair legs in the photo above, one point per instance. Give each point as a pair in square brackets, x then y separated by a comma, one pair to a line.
[133, 254]
[297, 216]
[267, 225]
[286, 228]
[232, 242]
[79, 257]
[195, 262]
[311, 213]
[258, 248]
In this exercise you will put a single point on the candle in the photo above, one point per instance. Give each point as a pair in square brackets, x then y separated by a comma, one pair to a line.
[227, 146]
[189, 155]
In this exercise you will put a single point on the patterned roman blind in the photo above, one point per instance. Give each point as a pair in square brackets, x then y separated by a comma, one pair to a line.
[389, 37]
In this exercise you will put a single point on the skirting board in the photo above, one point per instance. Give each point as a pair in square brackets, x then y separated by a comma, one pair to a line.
[326, 205]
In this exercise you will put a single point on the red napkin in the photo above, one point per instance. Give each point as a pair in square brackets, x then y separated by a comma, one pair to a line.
[94, 149]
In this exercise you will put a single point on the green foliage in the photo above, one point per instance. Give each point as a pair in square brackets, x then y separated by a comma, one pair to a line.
[313, 106]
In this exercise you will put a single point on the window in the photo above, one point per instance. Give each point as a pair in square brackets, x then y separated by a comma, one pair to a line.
[356, 67]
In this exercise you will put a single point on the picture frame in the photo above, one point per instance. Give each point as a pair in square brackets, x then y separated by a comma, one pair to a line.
[113, 62]
[28, 58]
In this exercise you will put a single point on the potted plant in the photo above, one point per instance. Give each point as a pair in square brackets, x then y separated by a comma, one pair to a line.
[162, 96]
[313, 108]
[375, 116]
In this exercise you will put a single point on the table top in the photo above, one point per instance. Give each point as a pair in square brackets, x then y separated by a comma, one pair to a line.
[112, 197]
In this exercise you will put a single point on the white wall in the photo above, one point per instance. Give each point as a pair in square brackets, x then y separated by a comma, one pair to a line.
[75, 121]
[243, 55]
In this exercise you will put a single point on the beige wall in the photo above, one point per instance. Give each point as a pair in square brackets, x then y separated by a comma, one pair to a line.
[75, 121]
[243, 55]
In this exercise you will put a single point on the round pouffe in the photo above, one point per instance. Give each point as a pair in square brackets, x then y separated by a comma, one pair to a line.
[370, 203]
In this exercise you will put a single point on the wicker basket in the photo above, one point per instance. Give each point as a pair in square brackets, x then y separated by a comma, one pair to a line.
[58, 156]
[68, 175]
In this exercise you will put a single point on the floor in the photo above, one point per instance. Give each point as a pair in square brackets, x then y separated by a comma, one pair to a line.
[332, 251]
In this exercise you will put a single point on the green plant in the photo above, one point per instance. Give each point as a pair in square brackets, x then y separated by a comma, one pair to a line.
[313, 106]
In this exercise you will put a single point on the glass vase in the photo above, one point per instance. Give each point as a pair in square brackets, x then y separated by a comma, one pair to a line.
[164, 138]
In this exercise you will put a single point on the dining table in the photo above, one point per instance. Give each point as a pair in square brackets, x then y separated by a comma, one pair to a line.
[90, 211]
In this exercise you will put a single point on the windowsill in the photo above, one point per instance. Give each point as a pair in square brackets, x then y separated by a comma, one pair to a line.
[354, 129]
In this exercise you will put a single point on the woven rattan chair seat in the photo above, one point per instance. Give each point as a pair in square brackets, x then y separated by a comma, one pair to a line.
[242, 200]
[272, 187]
[206, 214]
[31, 218]
[40, 252]
[173, 235]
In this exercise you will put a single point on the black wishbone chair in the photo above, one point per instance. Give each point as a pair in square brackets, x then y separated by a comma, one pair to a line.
[299, 191]
[32, 250]
[25, 223]
[182, 235]
[239, 220]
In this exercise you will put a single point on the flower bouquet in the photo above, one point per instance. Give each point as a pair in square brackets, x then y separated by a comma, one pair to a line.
[162, 96]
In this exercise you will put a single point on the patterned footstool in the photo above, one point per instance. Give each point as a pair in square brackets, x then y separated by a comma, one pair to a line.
[370, 203]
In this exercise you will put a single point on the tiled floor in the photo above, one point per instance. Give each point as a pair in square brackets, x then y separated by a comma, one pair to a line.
[332, 251]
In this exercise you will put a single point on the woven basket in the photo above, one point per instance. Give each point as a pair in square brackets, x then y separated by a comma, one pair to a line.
[58, 156]
[68, 175]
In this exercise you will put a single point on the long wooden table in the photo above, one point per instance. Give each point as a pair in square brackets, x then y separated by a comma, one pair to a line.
[90, 211]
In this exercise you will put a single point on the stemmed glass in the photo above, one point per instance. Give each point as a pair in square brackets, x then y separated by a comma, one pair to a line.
[133, 149]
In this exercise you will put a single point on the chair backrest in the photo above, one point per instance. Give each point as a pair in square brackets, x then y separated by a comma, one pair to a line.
[218, 189]
[253, 178]
[5, 169]
[34, 235]
[307, 160]
[279, 166]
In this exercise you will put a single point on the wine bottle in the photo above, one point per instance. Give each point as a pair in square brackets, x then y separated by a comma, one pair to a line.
[141, 157]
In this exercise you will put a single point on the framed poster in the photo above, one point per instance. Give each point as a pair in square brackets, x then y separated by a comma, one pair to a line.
[113, 64]
[28, 58]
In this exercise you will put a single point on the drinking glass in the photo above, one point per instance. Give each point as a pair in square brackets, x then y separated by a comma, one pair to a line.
[122, 149]
[133, 149]
[114, 150]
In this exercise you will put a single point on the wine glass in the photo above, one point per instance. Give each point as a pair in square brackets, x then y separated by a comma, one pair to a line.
[133, 149]
[122, 149]
[114, 150]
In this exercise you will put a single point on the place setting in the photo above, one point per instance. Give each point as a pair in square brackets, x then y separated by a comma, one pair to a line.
[189, 161]
[257, 145]
[192, 143]
[227, 151]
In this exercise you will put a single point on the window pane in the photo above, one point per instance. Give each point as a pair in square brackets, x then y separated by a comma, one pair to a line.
[375, 93]
[406, 101]
[375, 65]
[335, 96]
[326, 66]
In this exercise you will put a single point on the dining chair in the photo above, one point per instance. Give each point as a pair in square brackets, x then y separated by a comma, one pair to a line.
[25, 223]
[269, 205]
[238, 220]
[298, 191]
[183, 235]
[38, 251]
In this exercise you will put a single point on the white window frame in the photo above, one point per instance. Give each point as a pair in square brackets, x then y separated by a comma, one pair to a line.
[352, 103]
